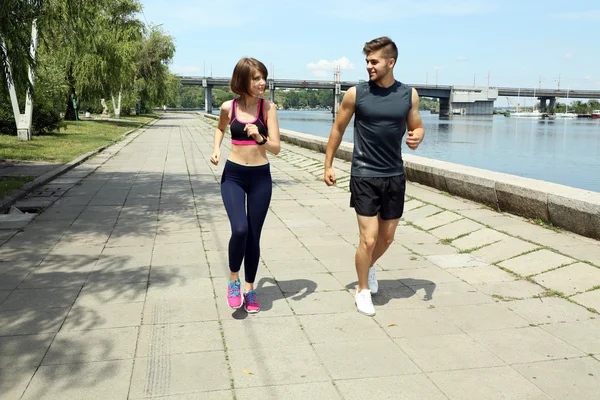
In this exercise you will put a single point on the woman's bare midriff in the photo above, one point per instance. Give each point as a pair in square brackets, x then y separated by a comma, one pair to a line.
[250, 155]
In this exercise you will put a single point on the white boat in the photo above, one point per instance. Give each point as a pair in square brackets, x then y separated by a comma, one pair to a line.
[527, 114]
[566, 114]
[596, 114]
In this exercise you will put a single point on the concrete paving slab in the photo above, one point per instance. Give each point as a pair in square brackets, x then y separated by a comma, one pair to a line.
[179, 338]
[497, 383]
[589, 299]
[525, 345]
[179, 374]
[99, 380]
[536, 262]
[91, 346]
[342, 327]
[270, 333]
[448, 352]
[479, 238]
[574, 278]
[546, 310]
[379, 358]
[457, 228]
[403, 387]
[504, 249]
[564, 379]
[14, 381]
[317, 390]
[24, 351]
[585, 335]
[482, 317]
[281, 366]
[448, 261]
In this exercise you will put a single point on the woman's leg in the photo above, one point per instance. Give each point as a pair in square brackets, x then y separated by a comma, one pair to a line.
[259, 199]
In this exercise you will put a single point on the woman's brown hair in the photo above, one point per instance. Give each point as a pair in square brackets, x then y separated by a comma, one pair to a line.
[242, 74]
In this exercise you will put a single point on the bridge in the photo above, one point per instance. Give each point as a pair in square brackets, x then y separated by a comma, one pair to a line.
[474, 100]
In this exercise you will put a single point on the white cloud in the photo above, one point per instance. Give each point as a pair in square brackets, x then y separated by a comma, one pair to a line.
[462, 58]
[589, 15]
[323, 68]
[569, 55]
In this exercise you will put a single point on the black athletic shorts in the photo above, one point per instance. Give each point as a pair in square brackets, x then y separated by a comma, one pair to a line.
[382, 195]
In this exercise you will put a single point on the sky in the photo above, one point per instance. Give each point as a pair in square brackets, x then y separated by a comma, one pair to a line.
[456, 42]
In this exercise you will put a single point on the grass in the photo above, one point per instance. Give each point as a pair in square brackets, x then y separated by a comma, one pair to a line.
[64, 146]
[10, 183]
[544, 224]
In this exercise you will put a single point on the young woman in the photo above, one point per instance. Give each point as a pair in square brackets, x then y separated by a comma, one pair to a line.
[246, 184]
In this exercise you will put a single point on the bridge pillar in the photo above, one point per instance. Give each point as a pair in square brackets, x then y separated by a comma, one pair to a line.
[271, 91]
[336, 99]
[208, 99]
[544, 103]
[444, 107]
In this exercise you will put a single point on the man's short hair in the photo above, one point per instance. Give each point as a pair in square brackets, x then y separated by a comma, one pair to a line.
[382, 43]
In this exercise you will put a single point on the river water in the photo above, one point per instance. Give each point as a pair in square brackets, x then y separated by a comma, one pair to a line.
[564, 151]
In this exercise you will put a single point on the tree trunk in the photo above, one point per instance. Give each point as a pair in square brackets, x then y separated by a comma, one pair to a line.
[70, 113]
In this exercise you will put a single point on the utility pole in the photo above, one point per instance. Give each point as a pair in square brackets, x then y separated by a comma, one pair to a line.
[474, 79]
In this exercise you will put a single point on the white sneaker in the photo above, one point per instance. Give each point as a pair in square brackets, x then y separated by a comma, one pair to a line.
[373, 284]
[364, 304]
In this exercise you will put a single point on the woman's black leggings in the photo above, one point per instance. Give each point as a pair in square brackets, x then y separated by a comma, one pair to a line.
[246, 192]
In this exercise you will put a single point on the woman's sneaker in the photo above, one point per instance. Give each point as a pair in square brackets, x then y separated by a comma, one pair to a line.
[234, 295]
[251, 302]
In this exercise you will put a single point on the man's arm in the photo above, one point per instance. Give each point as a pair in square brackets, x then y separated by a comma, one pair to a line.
[337, 131]
[416, 132]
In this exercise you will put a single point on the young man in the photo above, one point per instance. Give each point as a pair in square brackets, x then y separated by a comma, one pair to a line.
[384, 109]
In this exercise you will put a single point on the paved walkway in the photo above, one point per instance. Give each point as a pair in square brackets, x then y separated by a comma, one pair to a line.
[116, 291]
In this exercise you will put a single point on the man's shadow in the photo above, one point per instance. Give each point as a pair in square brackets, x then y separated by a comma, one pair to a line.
[270, 290]
[399, 289]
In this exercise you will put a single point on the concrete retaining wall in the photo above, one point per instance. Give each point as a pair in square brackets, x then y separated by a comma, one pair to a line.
[569, 208]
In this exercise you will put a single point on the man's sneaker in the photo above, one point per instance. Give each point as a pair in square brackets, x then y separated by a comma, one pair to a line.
[364, 304]
[234, 295]
[373, 284]
[251, 302]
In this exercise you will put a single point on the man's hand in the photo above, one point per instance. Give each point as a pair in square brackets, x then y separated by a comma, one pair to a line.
[414, 138]
[329, 176]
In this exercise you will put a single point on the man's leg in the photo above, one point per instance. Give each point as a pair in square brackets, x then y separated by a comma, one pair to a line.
[368, 229]
[385, 237]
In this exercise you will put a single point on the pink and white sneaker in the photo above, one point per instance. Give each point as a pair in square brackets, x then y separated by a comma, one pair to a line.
[251, 302]
[234, 295]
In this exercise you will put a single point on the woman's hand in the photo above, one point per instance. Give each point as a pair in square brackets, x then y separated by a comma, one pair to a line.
[215, 156]
[252, 131]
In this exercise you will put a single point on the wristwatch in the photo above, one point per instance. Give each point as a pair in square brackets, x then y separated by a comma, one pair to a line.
[263, 142]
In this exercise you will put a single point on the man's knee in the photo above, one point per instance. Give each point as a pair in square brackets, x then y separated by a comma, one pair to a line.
[368, 243]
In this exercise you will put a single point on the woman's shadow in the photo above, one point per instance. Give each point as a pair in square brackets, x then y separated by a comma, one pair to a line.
[270, 290]
[399, 289]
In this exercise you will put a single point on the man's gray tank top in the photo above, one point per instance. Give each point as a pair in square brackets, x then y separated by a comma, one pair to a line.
[379, 125]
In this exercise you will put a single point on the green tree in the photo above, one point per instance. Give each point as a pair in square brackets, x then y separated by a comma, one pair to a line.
[156, 53]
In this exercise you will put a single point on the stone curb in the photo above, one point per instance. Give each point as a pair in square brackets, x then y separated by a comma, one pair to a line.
[29, 187]
[569, 208]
